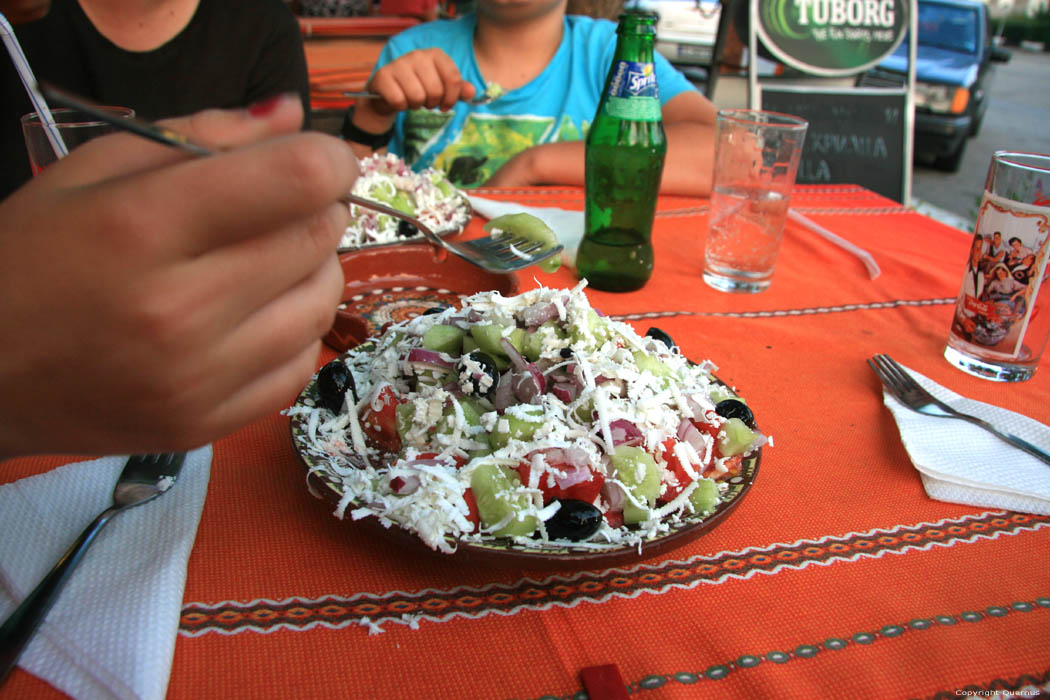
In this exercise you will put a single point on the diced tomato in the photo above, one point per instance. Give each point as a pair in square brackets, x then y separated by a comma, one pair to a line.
[472, 508]
[459, 460]
[676, 468]
[380, 426]
[714, 431]
[733, 464]
[586, 490]
[614, 518]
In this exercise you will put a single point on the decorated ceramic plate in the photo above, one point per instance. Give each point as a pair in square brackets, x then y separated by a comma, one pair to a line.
[389, 284]
[527, 431]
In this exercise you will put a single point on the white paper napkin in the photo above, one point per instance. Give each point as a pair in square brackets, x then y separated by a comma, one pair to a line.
[962, 463]
[566, 224]
[111, 633]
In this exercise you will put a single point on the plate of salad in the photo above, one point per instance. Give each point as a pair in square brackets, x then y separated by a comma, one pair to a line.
[427, 195]
[527, 430]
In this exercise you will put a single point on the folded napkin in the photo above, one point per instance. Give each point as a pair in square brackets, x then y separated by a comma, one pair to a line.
[566, 224]
[962, 463]
[111, 633]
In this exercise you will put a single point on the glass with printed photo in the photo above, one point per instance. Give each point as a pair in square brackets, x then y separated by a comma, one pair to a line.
[1002, 315]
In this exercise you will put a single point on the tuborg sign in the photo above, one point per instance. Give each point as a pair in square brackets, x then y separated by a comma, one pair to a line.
[831, 38]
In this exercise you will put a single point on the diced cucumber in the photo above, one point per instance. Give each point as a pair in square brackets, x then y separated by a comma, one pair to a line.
[489, 335]
[530, 228]
[720, 393]
[444, 185]
[432, 377]
[535, 341]
[383, 191]
[404, 413]
[494, 490]
[638, 471]
[704, 497]
[444, 338]
[648, 363]
[595, 328]
[471, 416]
[738, 437]
[521, 424]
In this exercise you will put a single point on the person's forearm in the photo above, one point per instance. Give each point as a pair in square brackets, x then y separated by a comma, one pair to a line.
[687, 168]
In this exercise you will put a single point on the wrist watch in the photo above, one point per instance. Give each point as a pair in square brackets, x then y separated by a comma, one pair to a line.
[358, 135]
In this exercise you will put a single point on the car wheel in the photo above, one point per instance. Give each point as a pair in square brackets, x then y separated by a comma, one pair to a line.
[952, 161]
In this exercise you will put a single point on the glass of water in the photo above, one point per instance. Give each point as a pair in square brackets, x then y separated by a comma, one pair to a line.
[756, 160]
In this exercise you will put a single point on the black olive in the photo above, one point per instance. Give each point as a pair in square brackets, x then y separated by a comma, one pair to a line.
[433, 310]
[566, 352]
[488, 367]
[405, 229]
[575, 520]
[332, 382]
[735, 408]
[657, 334]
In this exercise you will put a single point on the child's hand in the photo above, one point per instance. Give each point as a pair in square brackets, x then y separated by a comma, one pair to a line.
[423, 78]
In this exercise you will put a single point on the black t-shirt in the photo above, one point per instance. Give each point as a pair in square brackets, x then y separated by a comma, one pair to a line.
[232, 53]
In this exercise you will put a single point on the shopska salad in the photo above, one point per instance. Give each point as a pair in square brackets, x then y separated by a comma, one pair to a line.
[428, 196]
[530, 417]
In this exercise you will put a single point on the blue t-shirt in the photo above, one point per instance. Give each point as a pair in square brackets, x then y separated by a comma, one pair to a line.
[470, 143]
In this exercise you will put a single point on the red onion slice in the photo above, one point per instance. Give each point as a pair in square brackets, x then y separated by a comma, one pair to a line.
[529, 384]
[503, 397]
[624, 432]
[537, 314]
[573, 475]
[688, 433]
[564, 391]
[428, 359]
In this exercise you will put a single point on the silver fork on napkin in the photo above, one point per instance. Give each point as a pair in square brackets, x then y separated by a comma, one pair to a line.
[496, 254]
[906, 390]
[144, 478]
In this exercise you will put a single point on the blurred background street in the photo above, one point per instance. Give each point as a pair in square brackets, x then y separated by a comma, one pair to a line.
[1018, 118]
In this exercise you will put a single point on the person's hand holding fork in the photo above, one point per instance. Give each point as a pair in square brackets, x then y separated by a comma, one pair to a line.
[154, 301]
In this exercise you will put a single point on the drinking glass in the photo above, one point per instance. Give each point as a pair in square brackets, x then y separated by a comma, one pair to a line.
[1002, 314]
[75, 128]
[756, 159]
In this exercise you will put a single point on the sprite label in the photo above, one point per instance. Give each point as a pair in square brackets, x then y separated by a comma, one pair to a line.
[632, 92]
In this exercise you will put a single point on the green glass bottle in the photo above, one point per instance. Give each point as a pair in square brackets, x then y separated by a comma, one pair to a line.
[625, 149]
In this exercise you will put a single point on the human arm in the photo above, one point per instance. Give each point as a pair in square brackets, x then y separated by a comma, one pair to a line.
[689, 124]
[153, 301]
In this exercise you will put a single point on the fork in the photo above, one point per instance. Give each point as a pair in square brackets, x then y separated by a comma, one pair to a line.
[482, 99]
[503, 254]
[906, 390]
[143, 478]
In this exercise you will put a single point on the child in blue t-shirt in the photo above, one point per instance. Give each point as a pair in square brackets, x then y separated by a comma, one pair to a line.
[550, 69]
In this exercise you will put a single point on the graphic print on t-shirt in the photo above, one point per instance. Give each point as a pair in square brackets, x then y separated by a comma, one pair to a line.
[484, 143]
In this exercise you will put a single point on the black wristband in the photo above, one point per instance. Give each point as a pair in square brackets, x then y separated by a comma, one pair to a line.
[357, 135]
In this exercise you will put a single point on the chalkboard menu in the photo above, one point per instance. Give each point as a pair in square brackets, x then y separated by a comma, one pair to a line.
[855, 136]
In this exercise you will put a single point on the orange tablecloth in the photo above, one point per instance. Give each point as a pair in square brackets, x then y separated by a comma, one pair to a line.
[837, 577]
